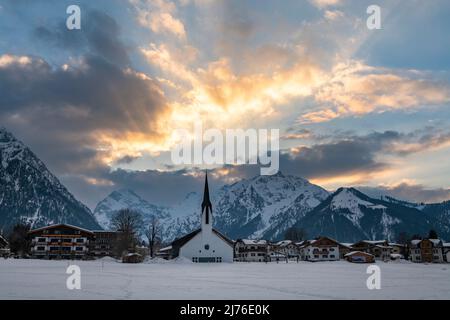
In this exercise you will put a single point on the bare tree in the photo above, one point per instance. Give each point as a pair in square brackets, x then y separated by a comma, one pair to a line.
[153, 234]
[19, 239]
[129, 225]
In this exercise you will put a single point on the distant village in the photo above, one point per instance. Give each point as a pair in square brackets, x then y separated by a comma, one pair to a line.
[205, 245]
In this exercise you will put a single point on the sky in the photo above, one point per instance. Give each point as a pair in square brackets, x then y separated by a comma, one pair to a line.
[355, 107]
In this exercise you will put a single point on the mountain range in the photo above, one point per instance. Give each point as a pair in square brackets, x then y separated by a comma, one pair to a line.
[30, 193]
[259, 207]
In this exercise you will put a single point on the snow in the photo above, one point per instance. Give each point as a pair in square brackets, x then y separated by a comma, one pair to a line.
[255, 242]
[346, 199]
[283, 243]
[105, 279]
[352, 253]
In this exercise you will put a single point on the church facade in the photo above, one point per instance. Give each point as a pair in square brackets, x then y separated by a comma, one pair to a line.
[205, 244]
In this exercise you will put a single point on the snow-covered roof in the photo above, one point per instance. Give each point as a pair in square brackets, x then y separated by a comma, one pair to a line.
[374, 241]
[436, 241]
[254, 242]
[393, 244]
[133, 255]
[60, 225]
[346, 244]
[165, 249]
[447, 244]
[383, 247]
[283, 243]
[357, 252]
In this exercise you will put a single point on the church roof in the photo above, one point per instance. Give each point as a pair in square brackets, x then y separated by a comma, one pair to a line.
[206, 204]
[178, 243]
[207, 209]
[224, 237]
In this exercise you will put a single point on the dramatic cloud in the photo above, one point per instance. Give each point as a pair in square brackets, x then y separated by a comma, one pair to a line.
[94, 102]
[218, 95]
[159, 16]
[356, 89]
[90, 111]
[357, 159]
[325, 3]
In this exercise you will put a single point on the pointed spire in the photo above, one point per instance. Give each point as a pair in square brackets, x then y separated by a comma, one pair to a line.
[206, 204]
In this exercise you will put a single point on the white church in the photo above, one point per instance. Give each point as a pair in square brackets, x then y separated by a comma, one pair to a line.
[205, 244]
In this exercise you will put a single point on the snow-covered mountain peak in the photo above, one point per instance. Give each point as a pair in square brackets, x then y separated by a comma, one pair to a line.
[30, 192]
[265, 205]
[349, 198]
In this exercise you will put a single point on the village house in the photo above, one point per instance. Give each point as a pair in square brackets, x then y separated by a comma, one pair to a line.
[60, 241]
[427, 250]
[344, 248]
[320, 249]
[380, 249]
[205, 244]
[164, 253]
[398, 250]
[446, 248]
[360, 257]
[285, 248]
[246, 250]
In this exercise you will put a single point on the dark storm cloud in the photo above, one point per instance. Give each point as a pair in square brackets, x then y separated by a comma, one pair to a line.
[99, 35]
[62, 112]
[126, 159]
[350, 154]
[71, 104]
[103, 37]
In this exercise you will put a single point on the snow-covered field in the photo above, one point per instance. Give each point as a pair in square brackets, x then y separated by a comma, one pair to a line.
[107, 279]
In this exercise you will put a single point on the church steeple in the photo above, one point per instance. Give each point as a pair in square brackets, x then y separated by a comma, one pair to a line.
[206, 204]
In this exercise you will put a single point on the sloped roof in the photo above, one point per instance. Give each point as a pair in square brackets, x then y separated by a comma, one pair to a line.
[283, 243]
[253, 242]
[223, 237]
[60, 225]
[375, 242]
[358, 252]
[435, 242]
[393, 244]
[183, 240]
[165, 249]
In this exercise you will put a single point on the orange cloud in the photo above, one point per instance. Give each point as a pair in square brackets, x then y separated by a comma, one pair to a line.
[159, 16]
[356, 89]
